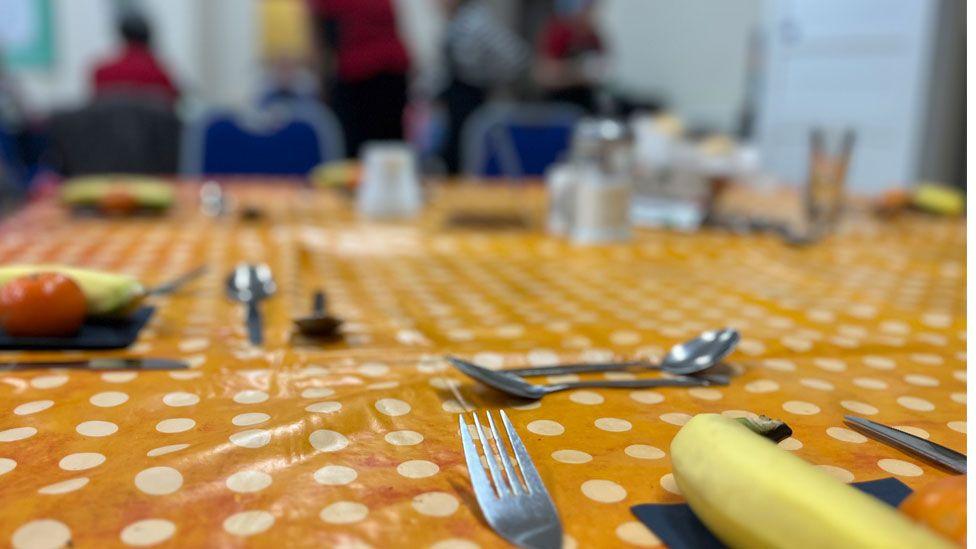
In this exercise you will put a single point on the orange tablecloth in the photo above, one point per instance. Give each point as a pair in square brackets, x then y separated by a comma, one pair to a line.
[355, 443]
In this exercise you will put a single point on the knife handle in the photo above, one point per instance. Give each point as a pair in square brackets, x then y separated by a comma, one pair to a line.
[255, 333]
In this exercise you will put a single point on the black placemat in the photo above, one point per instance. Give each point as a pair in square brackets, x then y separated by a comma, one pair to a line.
[678, 527]
[114, 333]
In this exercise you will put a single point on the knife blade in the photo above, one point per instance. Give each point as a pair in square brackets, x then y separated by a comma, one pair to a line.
[936, 453]
[100, 364]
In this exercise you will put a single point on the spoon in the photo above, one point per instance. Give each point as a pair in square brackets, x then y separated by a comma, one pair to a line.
[691, 357]
[319, 323]
[250, 284]
[517, 386]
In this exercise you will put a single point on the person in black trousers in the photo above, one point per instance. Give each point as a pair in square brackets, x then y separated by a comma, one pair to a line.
[481, 54]
[365, 66]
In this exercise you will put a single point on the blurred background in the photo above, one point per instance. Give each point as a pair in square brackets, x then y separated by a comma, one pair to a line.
[149, 77]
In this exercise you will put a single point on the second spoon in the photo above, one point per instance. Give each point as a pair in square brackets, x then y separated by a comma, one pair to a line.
[691, 357]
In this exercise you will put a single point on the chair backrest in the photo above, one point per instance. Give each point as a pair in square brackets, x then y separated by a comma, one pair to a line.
[115, 134]
[10, 190]
[12, 170]
[283, 140]
[516, 140]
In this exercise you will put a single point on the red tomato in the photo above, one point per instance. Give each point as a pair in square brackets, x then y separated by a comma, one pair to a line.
[42, 305]
[119, 202]
[940, 505]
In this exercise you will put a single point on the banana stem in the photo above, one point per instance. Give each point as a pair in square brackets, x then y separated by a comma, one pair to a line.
[773, 429]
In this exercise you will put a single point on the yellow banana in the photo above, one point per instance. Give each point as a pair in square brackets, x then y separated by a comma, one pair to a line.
[753, 495]
[105, 293]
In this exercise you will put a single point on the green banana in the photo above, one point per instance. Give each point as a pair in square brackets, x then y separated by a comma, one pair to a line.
[753, 494]
[106, 294]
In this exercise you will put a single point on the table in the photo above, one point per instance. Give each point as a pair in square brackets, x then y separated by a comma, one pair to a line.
[355, 443]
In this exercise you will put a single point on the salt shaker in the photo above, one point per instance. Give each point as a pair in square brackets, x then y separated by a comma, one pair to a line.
[602, 157]
[602, 212]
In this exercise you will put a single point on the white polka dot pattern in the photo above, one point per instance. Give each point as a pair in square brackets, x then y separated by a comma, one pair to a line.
[147, 532]
[354, 441]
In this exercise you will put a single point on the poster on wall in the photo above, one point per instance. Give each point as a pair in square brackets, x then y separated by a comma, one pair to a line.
[26, 34]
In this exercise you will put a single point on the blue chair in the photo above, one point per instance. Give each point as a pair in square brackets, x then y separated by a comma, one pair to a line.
[285, 140]
[516, 140]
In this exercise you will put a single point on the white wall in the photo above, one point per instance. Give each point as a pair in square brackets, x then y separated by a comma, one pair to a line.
[691, 53]
[83, 33]
[205, 44]
[177, 37]
[228, 52]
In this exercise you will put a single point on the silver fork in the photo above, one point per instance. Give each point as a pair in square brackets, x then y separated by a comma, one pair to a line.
[521, 512]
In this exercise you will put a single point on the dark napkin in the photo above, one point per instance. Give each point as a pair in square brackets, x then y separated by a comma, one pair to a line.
[102, 333]
[678, 528]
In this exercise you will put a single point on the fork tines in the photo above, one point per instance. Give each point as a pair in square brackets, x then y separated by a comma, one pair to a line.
[511, 483]
[513, 499]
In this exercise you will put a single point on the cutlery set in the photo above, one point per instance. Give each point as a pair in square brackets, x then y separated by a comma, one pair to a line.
[251, 284]
[685, 365]
[248, 284]
[516, 386]
[519, 508]
[506, 483]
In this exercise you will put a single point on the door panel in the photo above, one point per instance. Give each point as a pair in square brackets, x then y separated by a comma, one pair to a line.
[846, 63]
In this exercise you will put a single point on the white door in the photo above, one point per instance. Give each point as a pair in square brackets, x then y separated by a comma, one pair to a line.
[846, 63]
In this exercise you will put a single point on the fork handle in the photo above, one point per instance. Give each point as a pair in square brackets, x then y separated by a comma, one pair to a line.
[632, 383]
[581, 368]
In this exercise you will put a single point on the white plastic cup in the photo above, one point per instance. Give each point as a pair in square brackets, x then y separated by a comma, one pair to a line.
[390, 185]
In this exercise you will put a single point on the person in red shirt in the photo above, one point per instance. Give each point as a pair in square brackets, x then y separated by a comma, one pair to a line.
[364, 65]
[570, 55]
[135, 69]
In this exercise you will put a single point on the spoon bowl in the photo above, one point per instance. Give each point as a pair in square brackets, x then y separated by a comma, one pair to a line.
[251, 284]
[691, 357]
[701, 353]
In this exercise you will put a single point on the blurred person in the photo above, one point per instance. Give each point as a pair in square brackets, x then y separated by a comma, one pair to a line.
[286, 45]
[570, 55]
[135, 69]
[287, 80]
[481, 54]
[364, 65]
